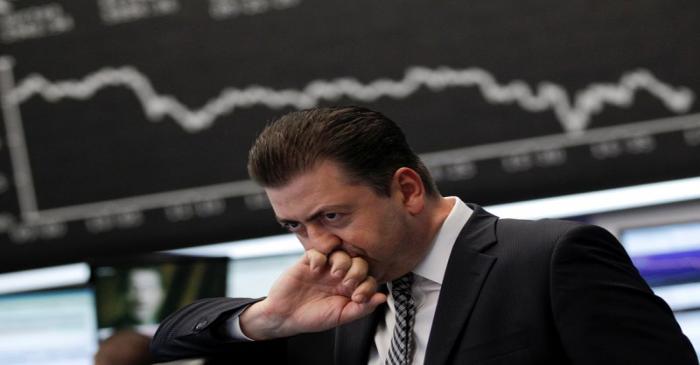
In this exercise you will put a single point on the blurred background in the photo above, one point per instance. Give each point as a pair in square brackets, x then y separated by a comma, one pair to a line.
[125, 127]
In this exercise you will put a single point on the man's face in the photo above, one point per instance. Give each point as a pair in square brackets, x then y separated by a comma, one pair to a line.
[328, 213]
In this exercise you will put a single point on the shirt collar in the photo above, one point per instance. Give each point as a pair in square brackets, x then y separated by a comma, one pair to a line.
[434, 264]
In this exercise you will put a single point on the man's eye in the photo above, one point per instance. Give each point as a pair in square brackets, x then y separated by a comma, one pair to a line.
[331, 216]
[291, 226]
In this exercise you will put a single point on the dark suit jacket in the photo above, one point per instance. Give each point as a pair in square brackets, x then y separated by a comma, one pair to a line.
[515, 292]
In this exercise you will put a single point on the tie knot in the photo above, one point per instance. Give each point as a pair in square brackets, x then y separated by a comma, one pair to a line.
[402, 285]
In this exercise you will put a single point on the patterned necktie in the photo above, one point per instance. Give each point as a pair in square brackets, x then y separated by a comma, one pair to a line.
[401, 348]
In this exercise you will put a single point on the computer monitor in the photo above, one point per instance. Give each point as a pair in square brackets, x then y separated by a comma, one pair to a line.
[668, 257]
[49, 327]
[139, 292]
[252, 277]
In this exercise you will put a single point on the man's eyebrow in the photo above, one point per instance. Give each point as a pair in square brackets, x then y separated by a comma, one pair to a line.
[315, 214]
[284, 221]
[325, 209]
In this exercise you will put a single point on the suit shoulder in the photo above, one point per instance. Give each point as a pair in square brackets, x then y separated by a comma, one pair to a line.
[550, 235]
[543, 230]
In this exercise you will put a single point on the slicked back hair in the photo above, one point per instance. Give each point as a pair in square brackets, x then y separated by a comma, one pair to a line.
[366, 144]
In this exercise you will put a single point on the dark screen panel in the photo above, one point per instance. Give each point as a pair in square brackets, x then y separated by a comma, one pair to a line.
[138, 292]
[125, 123]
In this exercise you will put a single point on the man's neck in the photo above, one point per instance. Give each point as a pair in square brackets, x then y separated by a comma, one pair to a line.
[436, 211]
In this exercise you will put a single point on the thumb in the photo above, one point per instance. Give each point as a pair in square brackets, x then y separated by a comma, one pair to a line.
[353, 310]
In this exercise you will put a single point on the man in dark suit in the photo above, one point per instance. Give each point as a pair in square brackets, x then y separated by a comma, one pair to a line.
[462, 286]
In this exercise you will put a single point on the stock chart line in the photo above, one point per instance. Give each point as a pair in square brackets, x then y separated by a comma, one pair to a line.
[574, 113]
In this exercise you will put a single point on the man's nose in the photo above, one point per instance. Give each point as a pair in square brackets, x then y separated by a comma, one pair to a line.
[321, 239]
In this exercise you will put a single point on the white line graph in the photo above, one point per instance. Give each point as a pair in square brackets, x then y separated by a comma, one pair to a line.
[574, 113]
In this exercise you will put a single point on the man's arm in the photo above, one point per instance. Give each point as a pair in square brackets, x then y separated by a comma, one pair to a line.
[318, 293]
[604, 311]
[197, 330]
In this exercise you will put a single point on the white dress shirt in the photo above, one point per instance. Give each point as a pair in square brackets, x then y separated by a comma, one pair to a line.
[427, 281]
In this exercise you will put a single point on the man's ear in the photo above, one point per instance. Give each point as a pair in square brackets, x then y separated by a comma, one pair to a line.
[408, 184]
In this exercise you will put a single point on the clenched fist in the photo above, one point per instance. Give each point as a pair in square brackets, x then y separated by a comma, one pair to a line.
[318, 293]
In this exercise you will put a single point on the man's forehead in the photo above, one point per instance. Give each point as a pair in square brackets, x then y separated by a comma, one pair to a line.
[326, 176]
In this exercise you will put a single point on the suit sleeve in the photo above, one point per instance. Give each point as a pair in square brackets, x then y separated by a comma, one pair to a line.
[197, 331]
[603, 309]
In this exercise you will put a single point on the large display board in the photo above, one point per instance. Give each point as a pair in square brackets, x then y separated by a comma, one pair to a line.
[125, 123]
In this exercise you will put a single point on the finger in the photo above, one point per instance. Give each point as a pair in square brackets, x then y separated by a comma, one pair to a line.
[315, 259]
[376, 299]
[355, 310]
[356, 274]
[365, 290]
[339, 262]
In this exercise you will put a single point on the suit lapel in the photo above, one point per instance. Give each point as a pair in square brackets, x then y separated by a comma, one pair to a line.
[466, 273]
[353, 341]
